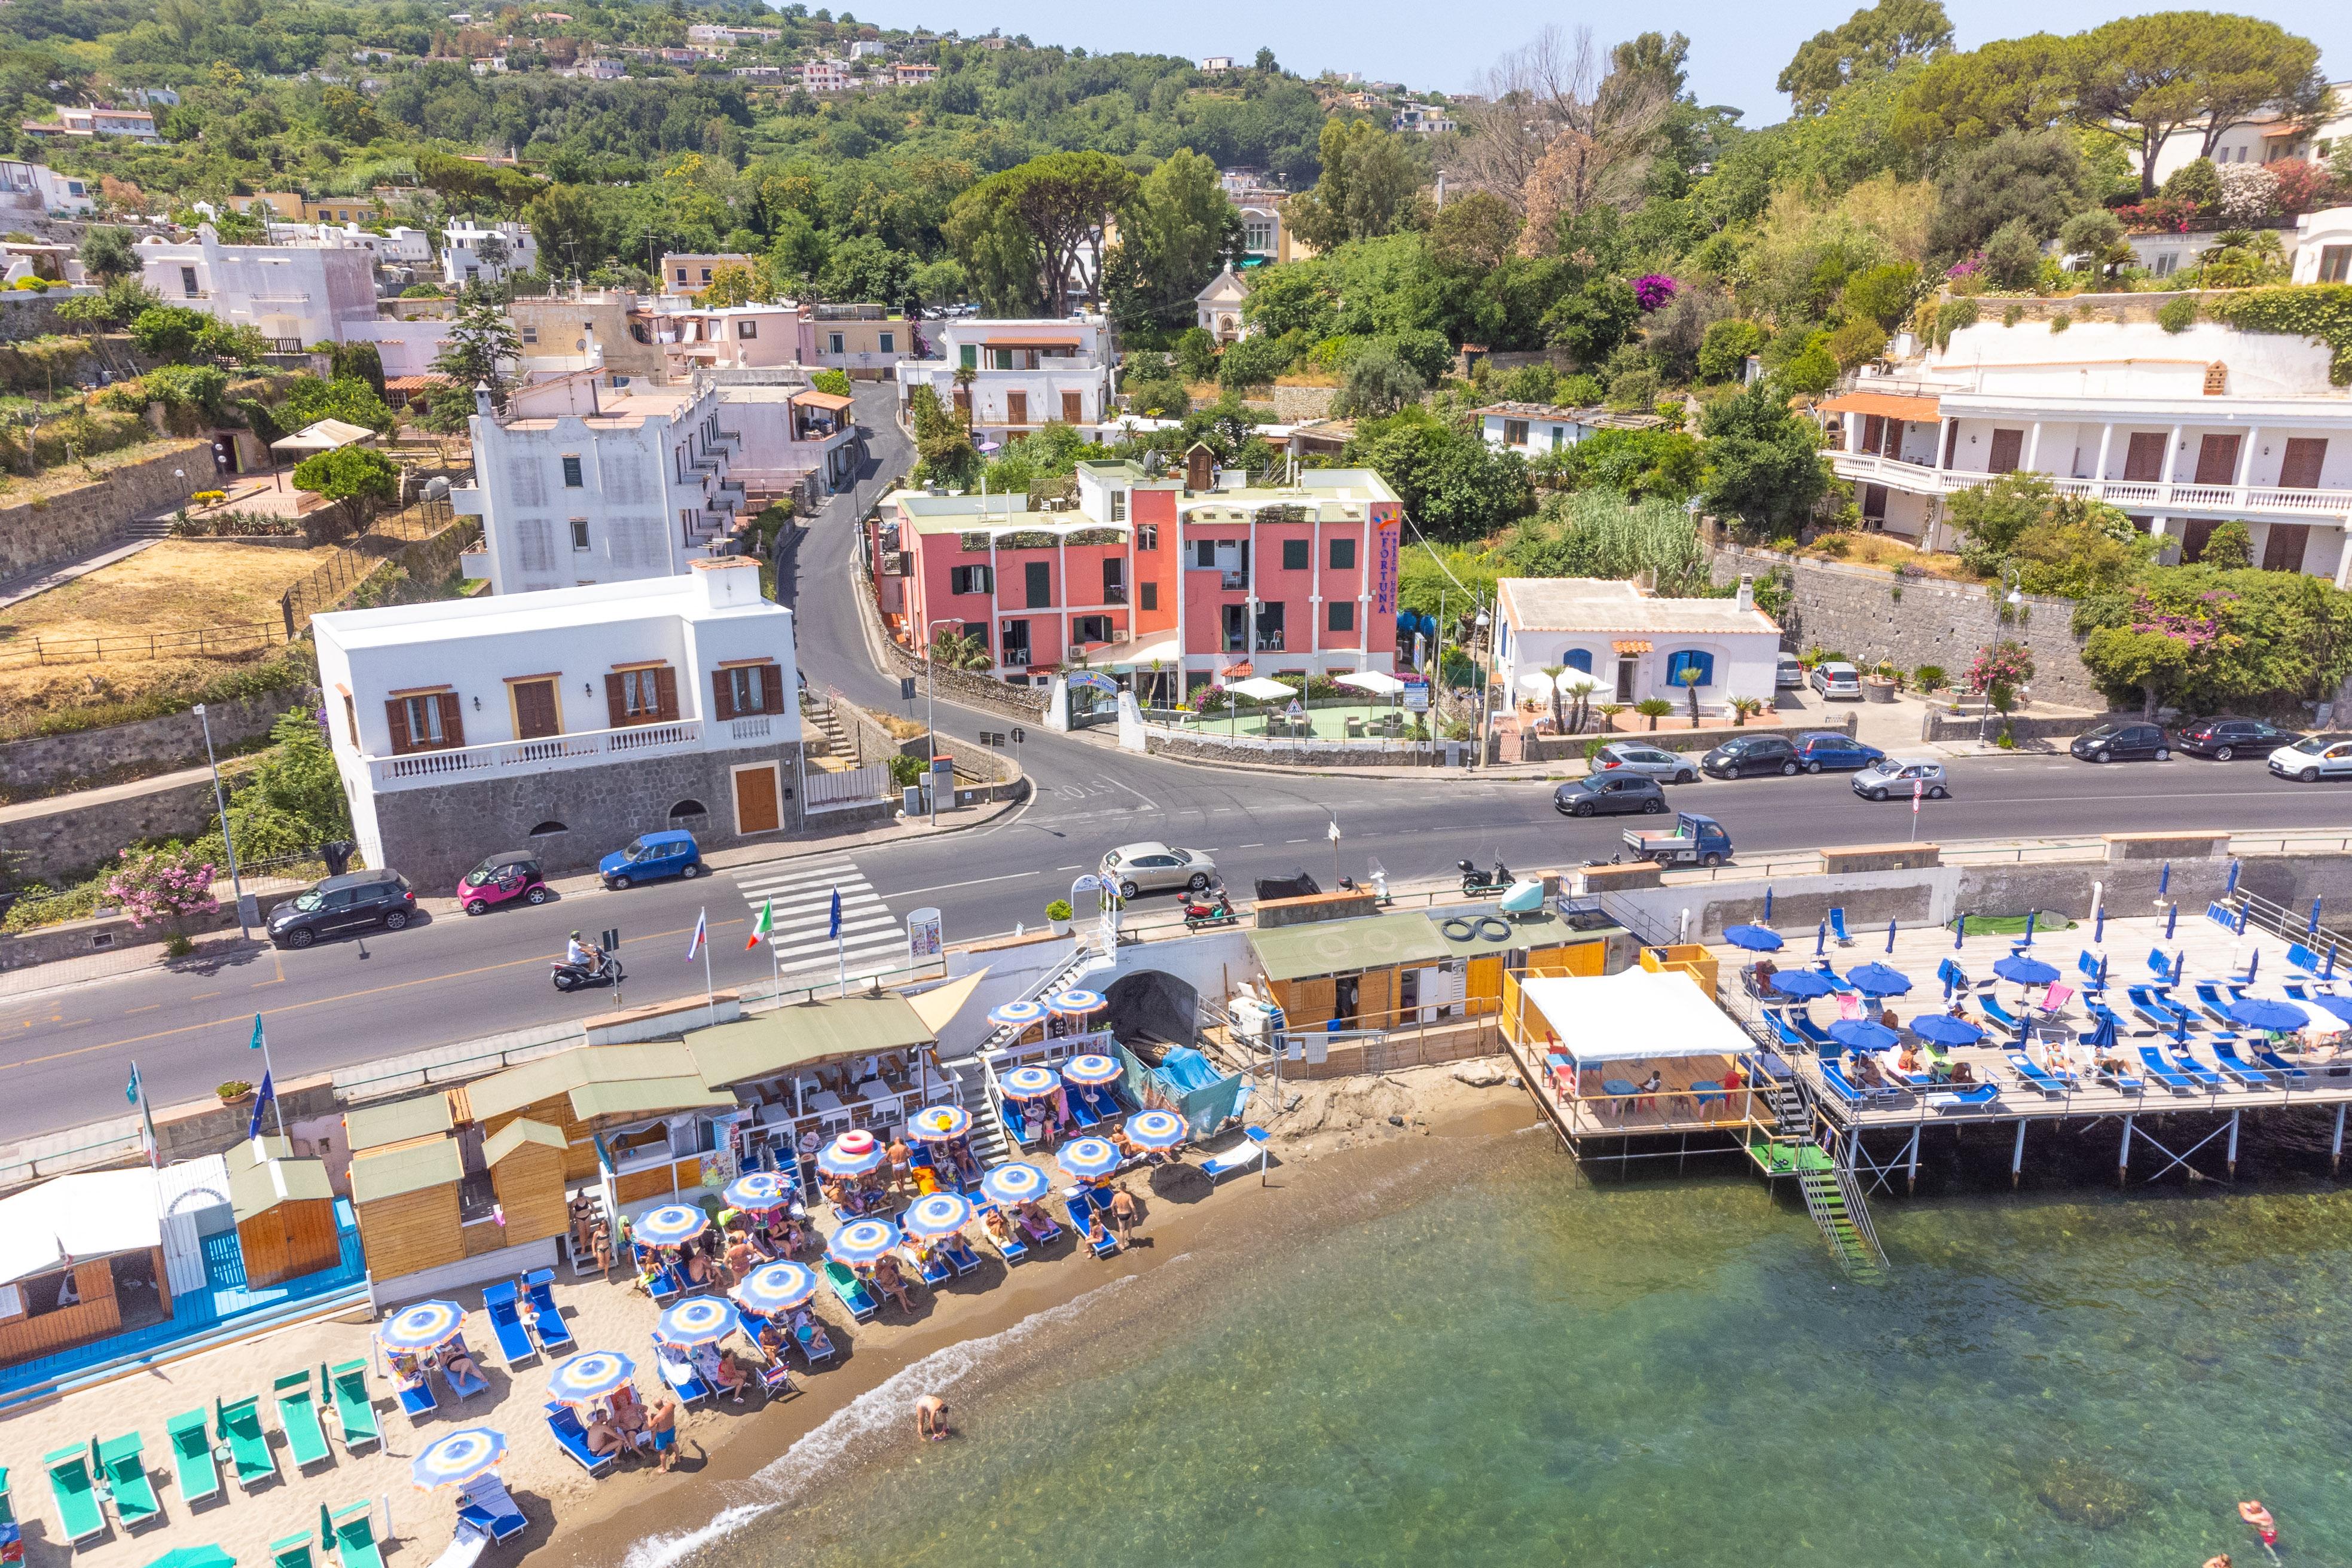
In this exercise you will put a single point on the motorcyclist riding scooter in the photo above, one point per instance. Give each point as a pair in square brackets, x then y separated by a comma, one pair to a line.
[585, 964]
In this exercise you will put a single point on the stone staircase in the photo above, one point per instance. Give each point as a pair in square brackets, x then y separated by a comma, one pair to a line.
[144, 529]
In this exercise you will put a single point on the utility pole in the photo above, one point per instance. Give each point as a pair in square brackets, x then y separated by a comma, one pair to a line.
[220, 804]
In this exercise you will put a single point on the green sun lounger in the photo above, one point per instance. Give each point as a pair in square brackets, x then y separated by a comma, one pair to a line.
[78, 1506]
[239, 1425]
[350, 1531]
[298, 1413]
[191, 1458]
[122, 1462]
[345, 1390]
[294, 1551]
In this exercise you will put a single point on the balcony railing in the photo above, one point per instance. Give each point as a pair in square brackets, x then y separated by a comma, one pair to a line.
[2137, 495]
[548, 754]
[1234, 580]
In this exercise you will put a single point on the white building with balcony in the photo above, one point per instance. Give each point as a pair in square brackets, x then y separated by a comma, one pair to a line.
[296, 294]
[2181, 431]
[1634, 644]
[471, 253]
[1023, 373]
[580, 482]
[564, 722]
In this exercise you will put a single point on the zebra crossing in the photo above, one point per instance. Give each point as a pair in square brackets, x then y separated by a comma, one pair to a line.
[872, 939]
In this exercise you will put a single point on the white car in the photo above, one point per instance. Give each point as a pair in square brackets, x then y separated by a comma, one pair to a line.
[1837, 680]
[1892, 776]
[1152, 866]
[2313, 758]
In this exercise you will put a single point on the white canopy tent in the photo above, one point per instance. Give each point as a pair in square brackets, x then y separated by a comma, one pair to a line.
[1636, 1015]
[325, 435]
[78, 1217]
[1380, 683]
[1258, 689]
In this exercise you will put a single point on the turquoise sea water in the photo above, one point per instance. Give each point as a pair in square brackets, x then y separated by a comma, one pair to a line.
[1524, 1367]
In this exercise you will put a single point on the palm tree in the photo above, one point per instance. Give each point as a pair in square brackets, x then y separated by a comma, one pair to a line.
[1552, 673]
[1688, 679]
[1654, 709]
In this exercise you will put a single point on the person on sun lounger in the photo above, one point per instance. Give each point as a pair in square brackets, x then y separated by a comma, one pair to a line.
[458, 1363]
[809, 1328]
[1765, 970]
[888, 1278]
[1123, 1144]
[604, 1437]
[1033, 1223]
[719, 1368]
[999, 1229]
[1907, 1060]
[1866, 1074]
[629, 1413]
[1963, 1073]
[966, 1163]
[740, 1254]
[1095, 1234]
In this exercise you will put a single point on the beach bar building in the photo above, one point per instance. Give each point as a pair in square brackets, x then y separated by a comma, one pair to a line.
[285, 1210]
[405, 1197]
[81, 1260]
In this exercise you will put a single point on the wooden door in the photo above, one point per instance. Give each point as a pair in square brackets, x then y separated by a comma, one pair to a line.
[2144, 459]
[1074, 408]
[2305, 455]
[2217, 460]
[2193, 535]
[2008, 446]
[755, 799]
[1016, 408]
[534, 709]
[963, 403]
[2283, 545]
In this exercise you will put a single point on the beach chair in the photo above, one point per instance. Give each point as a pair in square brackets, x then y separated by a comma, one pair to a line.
[2157, 1012]
[2303, 960]
[2162, 966]
[563, 1423]
[1812, 1034]
[418, 1399]
[2164, 1072]
[1081, 1203]
[2209, 1003]
[239, 1425]
[1011, 1247]
[484, 1503]
[121, 1463]
[804, 1341]
[851, 1291]
[193, 1464]
[959, 1252]
[2034, 1077]
[547, 1324]
[2102, 1013]
[2225, 1052]
[1781, 1028]
[352, 1530]
[461, 1385]
[664, 1285]
[2246, 975]
[1964, 1099]
[1837, 929]
[678, 1373]
[931, 1266]
[1250, 1151]
[503, 1303]
[345, 1388]
[298, 1417]
[292, 1551]
[1998, 1014]
[2296, 1077]
[79, 1516]
[2204, 1077]
[1839, 1085]
[2053, 1001]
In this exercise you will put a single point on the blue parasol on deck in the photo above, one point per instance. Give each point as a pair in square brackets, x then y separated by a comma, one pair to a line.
[2235, 867]
[2104, 1037]
[2335, 1007]
[2099, 924]
[1960, 932]
[2311, 930]
[1822, 940]
[1878, 980]
[2263, 1013]
[2171, 919]
[1890, 936]
[2020, 970]
[1861, 1034]
[1755, 938]
[1944, 1030]
[1804, 983]
[1767, 902]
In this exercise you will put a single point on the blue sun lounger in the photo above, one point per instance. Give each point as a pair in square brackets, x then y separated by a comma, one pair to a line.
[935, 1268]
[571, 1436]
[461, 1385]
[2209, 1003]
[2164, 1072]
[1080, 1205]
[2034, 1077]
[1840, 1085]
[2304, 961]
[1837, 929]
[959, 1252]
[2205, 1077]
[2103, 1013]
[547, 1324]
[851, 1291]
[2154, 1010]
[418, 1400]
[1998, 1014]
[1011, 1246]
[1813, 1033]
[2226, 1052]
[1781, 1028]
[1964, 1099]
[805, 1339]
[2296, 1077]
[679, 1373]
[503, 1303]
[2161, 967]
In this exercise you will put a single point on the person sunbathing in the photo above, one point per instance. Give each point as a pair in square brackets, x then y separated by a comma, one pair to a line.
[1963, 1073]
[458, 1362]
[1095, 1234]
[698, 1271]
[604, 1437]
[1033, 1222]
[719, 1368]
[1765, 985]
[809, 1328]
[1908, 1061]
[999, 1229]
[1866, 1074]
[892, 1282]
[628, 1413]
[966, 1163]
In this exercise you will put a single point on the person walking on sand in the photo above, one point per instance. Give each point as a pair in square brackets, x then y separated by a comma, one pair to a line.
[664, 1427]
[1122, 1215]
[930, 1418]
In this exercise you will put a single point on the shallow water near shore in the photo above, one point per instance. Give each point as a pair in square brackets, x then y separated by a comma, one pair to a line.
[1498, 1362]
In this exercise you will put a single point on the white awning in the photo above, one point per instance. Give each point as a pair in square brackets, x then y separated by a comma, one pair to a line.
[1637, 1015]
[1378, 682]
[326, 435]
[91, 1214]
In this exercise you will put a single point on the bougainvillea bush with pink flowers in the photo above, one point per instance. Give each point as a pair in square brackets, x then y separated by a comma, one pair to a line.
[1652, 290]
[161, 887]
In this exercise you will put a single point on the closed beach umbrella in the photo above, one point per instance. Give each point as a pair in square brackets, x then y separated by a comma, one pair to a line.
[698, 1320]
[2235, 867]
[458, 1458]
[758, 1191]
[589, 1376]
[421, 1326]
[194, 1557]
[2263, 1013]
[1945, 1030]
[938, 1123]
[852, 1153]
[862, 1241]
[938, 1216]
[1755, 938]
[1017, 1015]
[777, 1287]
[671, 1225]
[1861, 1034]
[1016, 1183]
[1767, 901]
[1093, 1067]
[1821, 939]
[1804, 983]
[1076, 1003]
[2022, 971]
[1156, 1129]
[2102, 1038]
[1087, 1159]
[1890, 936]
[1878, 980]
[1028, 1082]
[2171, 919]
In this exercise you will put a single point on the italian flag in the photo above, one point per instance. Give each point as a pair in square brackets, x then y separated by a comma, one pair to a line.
[763, 925]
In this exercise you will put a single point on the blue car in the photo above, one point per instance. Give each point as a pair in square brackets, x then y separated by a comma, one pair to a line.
[1827, 749]
[649, 857]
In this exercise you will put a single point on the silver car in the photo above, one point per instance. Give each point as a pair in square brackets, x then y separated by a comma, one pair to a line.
[1901, 776]
[1649, 762]
[1837, 680]
[1153, 867]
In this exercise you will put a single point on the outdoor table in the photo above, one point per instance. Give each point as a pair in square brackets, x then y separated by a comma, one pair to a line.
[825, 1100]
[1617, 1089]
[1704, 1091]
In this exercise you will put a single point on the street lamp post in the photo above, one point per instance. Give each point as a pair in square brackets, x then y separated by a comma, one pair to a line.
[220, 804]
[930, 706]
[1483, 633]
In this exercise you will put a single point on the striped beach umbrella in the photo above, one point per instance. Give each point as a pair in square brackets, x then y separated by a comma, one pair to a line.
[1087, 1159]
[1156, 1129]
[1092, 1068]
[1076, 1003]
[1016, 1183]
[758, 1191]
[671, 1225]
[1017, 1015]
[698, 1320]
[862, 1241]
[938, 1216]
[590, 1375]
[777, 1287]
[1028, 1082]
[938, 1123]
[458, 1458]
[852, 1153]
[420, 1327]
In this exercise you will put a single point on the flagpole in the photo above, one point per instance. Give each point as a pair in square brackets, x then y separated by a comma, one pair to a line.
[710, 996]
[270, 1072]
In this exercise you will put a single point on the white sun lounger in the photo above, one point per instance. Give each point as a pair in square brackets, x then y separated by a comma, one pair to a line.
[1250, 1151]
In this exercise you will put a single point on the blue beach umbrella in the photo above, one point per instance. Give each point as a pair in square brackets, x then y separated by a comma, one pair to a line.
[2235, 867]
[2031, 917]
[2339, 1007]
[1822, 940]
[777, 1287]
[938, 1216]
[1959, 933]
[671, 1225]
[1156, 1129]
[589, 1376]
[2171, 919]
[2263, 1013]
[1945, 1030]
[458, 1458]
[1028, 1082]
[1861, 1034]
[1087, 1159]
[2164, 882]
[2312, 929]
[698, 1320]
[1015, 1183]
[1890, 936]
[1754, 938]
[2253, 959]
[2105, 960]
[1804, 983]
[1017, 1015]
[2020, 970]
[2102, 1038]
[2099, 924]
[854, 1153]
[1076, 1003]
[420, 1327]
[758, 1191]
[938, 1123]
[1768, 903]
[1878, 980]
[862, 1241]
[1091, 1068]
[2329, 972]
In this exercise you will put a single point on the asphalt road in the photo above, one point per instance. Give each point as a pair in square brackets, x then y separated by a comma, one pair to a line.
[64, 1054]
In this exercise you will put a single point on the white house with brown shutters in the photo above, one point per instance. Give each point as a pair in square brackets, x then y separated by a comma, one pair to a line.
[1022, 373]
[564, 722]
[2180, 431]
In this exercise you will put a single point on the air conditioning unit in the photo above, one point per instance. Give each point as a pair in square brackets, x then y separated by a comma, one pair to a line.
[1119, 636]
[894, 563]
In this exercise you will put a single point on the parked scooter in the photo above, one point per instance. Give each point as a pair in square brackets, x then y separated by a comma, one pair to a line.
[1204, 911]
[569, 976]
[1476, 881]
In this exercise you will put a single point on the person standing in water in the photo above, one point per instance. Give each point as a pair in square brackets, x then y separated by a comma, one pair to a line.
[930, 1418]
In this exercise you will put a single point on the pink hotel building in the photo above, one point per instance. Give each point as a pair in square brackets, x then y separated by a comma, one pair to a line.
[1200, 572]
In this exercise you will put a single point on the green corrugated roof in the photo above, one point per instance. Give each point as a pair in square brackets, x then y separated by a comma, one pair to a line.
[1340, 947]
[373, 1126]
[258, 1188]
[646, 1097]
[1547, 930]
[241, 1157]
[516, 1134]
[807, 1032]
[568, 1069]
[389, 1173]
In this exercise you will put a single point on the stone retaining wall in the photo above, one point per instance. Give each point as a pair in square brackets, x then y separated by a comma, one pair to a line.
[1294, 404]
[1942, 724]
[74, 836]
[47, 764]
[1206, 748]
[1666, 738]
[44, 530]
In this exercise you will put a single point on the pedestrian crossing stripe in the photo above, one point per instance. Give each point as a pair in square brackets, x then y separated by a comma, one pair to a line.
[800, 898]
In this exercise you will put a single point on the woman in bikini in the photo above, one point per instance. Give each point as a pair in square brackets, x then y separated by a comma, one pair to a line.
[893, 1282]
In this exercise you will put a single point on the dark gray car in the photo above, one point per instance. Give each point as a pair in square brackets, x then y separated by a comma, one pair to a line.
[1607, 795]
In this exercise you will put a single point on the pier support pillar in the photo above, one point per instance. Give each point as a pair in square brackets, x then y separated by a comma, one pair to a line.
[1911, 1178]
[2336, 1149]
[2017, 1155]
[2123, 1156]
[2233, 1142]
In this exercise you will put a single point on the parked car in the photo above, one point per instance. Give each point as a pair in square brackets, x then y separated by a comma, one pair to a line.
[1633, 757]
[2223, 739]
[1152, 866]
[348, 902]
[1751, 754]
[1837, 680]
[2122, 743]
[1791, 674]
[1826, 749]
[1608, 794]
[649, 857]
[1899, 776]
[502, 878]
[2313, 758]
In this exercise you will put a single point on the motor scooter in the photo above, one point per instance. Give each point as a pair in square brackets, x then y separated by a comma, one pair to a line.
[1476, 881]
[1204, 911]
[569, 976]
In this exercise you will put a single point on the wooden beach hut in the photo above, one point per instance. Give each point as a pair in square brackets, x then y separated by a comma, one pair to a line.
[406, 1198]
[527, 1160]
[81, 1258]
[628, 1096]
[285, 1210]
[398, 1122]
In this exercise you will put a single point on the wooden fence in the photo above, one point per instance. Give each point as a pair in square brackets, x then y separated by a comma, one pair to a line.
[205, 642]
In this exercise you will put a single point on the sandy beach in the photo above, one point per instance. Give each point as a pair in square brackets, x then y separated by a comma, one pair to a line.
[1328, 1142]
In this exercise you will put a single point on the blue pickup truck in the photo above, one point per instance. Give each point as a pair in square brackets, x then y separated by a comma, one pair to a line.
[1696, 841]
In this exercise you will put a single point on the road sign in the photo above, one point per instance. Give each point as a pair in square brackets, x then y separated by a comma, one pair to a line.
[1019, 736]
[906, 688]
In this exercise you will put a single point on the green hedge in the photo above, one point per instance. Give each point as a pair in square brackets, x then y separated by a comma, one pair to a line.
[2321, 311]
